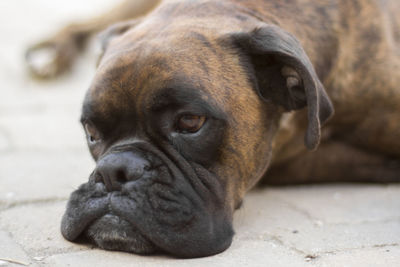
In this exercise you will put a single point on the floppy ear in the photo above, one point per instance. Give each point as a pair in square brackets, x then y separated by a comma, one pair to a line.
[285, 76]
[112, 31]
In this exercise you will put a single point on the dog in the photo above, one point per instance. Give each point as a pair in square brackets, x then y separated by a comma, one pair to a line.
[193, 101]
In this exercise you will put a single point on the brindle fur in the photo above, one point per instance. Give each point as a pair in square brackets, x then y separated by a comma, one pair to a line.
[354, 47]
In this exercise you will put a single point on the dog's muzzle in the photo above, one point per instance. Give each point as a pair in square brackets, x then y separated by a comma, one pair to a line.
[141, 200]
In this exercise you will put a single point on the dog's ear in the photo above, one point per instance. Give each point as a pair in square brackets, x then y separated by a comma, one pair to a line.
[285, 75]
[112, 31]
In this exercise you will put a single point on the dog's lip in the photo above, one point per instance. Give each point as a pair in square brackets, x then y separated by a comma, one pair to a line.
[113, 232]
[72, 225]
[100, 207]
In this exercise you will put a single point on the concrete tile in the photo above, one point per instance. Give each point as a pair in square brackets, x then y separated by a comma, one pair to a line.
[344, 203]
[11, 254]
[267, 215]
[331, 238]
[374, 257]
[250, 254]
[36, 228]
[43, 131]
[46, 132]
[30, 176]
[5, 141]
[22, 27]
[262, 211]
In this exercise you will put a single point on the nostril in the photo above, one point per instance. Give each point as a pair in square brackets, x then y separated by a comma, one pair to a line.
[147, 168]
[98, 178]
[120, 177]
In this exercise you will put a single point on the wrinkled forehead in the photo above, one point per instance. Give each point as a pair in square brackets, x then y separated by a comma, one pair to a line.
[136, 80]
[145, 61]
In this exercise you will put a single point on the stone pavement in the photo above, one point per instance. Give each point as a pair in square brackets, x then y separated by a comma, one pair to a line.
[43, 158]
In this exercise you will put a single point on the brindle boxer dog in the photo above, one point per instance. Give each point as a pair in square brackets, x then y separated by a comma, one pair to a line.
[193, 102]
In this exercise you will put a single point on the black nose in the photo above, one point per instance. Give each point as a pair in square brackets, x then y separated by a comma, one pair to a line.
[118, 168]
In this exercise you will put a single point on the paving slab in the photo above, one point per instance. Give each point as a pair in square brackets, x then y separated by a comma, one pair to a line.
[29, 131]
[11, 254]
[291, 224]
[374, 257]
[345, 203]
[249, 255]
[31, 176]
[36, 228]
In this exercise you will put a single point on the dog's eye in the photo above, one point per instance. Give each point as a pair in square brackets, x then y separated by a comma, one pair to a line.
[92, 135]
[190, 123]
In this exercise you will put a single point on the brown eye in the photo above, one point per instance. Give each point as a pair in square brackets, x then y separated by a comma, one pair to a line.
[92, 135]
[190, 123]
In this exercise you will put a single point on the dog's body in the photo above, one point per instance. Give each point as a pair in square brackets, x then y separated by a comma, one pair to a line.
[214, 92]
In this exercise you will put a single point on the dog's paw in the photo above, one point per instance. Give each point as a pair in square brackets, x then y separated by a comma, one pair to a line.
[49, 59]
[42, 60]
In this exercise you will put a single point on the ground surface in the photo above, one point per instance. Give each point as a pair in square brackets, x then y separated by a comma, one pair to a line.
[43, 158]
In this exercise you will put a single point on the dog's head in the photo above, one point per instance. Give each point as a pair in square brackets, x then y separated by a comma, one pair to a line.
[181, 118]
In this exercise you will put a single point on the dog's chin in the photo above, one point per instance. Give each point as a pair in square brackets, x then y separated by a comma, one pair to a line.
[111, 232]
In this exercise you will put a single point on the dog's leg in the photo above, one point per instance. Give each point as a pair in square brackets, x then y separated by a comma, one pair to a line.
[336, 162]
[56, 54]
